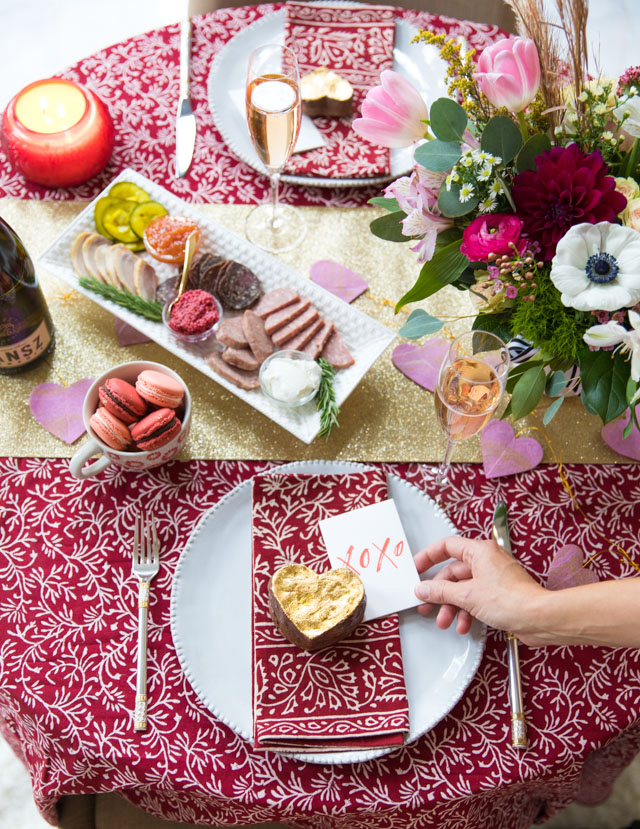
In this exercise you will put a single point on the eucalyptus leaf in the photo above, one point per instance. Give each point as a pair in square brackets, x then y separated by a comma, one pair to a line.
[389, 204]
[450, 204]
[443, 269]
[604, 376]
[527, 392]
[556, 383]
[438, 156]
[535, 145]
[501, 137]
[419, 324]
[552, 410]
[389, 227]
[447, 119]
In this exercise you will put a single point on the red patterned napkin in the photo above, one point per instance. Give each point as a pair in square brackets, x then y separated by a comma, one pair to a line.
[352, 695]
[357, 43]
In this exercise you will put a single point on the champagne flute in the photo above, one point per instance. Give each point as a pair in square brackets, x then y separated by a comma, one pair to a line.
[470, 386]
[274, 109]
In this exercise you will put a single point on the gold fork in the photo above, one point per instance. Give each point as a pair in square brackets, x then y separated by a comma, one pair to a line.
[146, 563]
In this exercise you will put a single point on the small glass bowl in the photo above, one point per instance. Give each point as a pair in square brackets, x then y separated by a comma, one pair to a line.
[191, 338]
[287, 354]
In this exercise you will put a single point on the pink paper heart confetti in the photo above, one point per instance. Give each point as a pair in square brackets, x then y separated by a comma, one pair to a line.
[340, 281]
[421, 363]
[505, 454]
[59, 408]
[128, 335]
[567, 570]
[612, 436]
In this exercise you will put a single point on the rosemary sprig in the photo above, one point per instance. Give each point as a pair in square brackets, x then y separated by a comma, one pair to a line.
[326, 399]
[144, 307]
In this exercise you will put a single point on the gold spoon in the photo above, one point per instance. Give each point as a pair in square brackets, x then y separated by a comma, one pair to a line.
[189, 250]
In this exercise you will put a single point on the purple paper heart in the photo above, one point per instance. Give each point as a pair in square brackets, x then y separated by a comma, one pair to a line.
[59, 408]
[612, 436]
[567, 569]
[128, 335]
[340, 281]
[421, 363]
[505, 454]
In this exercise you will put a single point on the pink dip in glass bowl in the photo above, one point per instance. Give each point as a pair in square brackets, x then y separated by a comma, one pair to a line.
[195, 314]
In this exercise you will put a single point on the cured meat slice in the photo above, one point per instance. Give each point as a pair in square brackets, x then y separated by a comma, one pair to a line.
[239, 287]
[275, 300]
[241, 358]
[230, 333]
[243, 379]
[295, 327]
[259, 341]
[112, 270]
[100, 253]
[89, 247]
[318, 341]
[145, 279]
[285, 315]
[167, 289]
[300, 340]
[199, 267]
[77, 259]
[211, 274]
[336, 352]
[124, 262]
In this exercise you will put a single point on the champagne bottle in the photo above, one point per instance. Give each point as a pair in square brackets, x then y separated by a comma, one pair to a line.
[26, 330]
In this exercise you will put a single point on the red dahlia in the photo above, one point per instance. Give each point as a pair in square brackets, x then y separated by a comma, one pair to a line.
[567, 188]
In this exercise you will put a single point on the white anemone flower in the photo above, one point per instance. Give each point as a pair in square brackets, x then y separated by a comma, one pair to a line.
[597, 267]
[612, 333]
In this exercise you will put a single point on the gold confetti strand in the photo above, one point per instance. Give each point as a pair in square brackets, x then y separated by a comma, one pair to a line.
[67, 298]
[56, 372]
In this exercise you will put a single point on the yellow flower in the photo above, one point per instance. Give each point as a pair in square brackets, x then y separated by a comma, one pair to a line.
[631, 216]
[630, 190]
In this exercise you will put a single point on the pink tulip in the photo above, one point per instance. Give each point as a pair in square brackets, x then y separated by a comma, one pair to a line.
[392, 114]
[509, 73]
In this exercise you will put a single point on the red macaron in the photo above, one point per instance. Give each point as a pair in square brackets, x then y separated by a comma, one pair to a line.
[160, 389]
[110, 430]
[122, 400]
[155, 429]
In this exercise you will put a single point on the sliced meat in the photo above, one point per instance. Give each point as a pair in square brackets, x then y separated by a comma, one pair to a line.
[100, 253]
[167, 289]
[145, 279]
[77, 259]
[295, 327]
[230, 333]
[300, 340]
[112, 268]
[318, 341]
[211, 274]
[124, 261]
[89, 247]
[239, 288]
[259, 341]
[275, 300]
[199, 267]
[285, 315]
[241, 358]
[243, 379]
[336, 352]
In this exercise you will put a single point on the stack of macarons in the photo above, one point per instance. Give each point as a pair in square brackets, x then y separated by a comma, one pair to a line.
[140, 417]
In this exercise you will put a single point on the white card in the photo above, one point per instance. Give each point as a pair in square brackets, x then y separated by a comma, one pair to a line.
[371, 541]
[308, 138]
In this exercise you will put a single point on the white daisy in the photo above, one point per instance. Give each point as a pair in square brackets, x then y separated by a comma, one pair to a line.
[466, 192]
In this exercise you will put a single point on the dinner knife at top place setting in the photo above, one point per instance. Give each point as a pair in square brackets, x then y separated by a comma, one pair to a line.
[519, 737]
[185, 119]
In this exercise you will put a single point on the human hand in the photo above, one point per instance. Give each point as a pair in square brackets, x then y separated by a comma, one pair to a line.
[484, 582]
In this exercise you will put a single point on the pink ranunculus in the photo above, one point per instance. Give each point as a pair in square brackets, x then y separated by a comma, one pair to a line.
[509, 73]
[392, 114]
[491, 233]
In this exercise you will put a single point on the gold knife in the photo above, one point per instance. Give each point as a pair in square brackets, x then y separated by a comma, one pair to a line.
[519, 737]
[185, 120]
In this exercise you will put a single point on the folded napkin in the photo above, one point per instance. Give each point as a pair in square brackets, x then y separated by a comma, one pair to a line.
[357, 43]
[351, 695]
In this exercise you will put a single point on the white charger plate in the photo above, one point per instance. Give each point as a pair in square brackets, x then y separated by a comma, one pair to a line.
[365, 337]
[420, 63]
[211, 616]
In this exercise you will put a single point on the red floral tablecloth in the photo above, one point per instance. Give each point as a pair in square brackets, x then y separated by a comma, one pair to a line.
[139, 80]
[67, 663]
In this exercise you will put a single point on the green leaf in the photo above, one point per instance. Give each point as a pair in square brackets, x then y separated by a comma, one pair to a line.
[447, 119]
[450, 204]
[501, 137]
[443, 269]
[388, 204]
[556, 384]
[389, 227]
[552, 410]
[419, 324]
[497, 324]
[631, 389]
[516, 372]
[527, 392]
[536, 145]
[507, 412]
[604, 376]
[627, 429]
[438, 156]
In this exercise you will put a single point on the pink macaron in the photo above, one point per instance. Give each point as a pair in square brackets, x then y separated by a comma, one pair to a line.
[110, 430]
[155, 429]
[160, 389]
[122, 400]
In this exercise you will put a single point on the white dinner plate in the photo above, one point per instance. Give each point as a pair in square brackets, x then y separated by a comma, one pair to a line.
[211, 616]
[365, 338]
[420, 63]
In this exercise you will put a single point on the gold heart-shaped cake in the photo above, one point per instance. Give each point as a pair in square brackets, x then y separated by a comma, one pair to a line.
[314, 611]
[326, 93]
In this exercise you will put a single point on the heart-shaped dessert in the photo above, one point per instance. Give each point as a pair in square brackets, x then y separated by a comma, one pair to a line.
[315, 611]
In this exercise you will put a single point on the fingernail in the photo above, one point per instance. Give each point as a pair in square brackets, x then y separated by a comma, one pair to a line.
[422, 590]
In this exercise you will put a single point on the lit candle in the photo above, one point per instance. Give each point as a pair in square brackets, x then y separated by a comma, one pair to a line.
[56, 133]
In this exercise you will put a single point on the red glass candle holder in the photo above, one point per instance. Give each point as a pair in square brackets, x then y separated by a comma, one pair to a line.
[57, 133]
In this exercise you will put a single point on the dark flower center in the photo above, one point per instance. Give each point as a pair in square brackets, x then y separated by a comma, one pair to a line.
[601, 268]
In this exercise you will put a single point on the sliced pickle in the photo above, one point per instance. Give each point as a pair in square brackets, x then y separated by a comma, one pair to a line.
[115, 220]
[143, 213]
[129, 191]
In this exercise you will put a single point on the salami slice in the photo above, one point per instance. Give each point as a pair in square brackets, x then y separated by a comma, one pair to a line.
[167, 290]
[259, 341]
[211, 274]
[241, 358]
[275, 300]
[336, 352]
[239, 287]
[230, 333]
[285, 315]
[242, 379]
[318, 341]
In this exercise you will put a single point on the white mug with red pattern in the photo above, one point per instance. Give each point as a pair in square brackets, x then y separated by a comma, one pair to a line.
[137, 461]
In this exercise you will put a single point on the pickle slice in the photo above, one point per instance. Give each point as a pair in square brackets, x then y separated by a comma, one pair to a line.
[143, 213]
[135, 246]
[129, 191]
[98, 212]
[115, 220]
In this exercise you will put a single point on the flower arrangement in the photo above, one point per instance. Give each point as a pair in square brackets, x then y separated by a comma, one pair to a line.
[525, 192]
